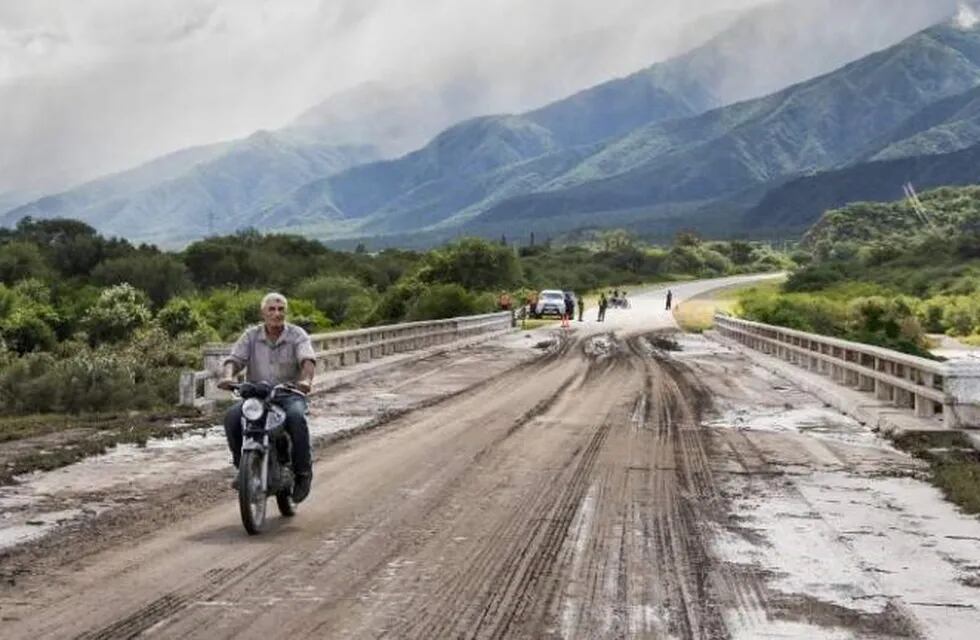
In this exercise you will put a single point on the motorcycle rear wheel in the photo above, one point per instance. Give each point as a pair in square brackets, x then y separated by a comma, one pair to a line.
[251, 497]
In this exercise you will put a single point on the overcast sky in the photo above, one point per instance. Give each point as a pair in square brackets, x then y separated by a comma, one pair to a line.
[93, 86]
[90, 87]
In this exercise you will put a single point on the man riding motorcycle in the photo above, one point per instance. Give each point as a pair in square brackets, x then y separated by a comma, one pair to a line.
[278, 353]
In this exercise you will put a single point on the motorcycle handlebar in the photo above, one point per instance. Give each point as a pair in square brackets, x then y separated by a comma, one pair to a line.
[288, 386]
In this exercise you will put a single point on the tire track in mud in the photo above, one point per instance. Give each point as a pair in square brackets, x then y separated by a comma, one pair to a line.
[664, 493]
[169, 605]
[646, 512]
[508, 575]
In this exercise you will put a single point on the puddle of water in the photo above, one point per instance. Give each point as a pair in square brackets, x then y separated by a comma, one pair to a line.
[27, 529]
[817, 421]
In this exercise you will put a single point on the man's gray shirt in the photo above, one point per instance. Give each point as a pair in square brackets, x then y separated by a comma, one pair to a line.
[275, 362]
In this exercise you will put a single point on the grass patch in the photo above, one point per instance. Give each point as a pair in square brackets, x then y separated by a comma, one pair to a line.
[47, 442]
[537, 323]
[698, 314]
[954, 465]
[973, 341]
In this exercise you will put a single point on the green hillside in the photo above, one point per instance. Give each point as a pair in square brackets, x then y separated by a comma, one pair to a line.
[818, 125]
[886, 274]
[792, 207]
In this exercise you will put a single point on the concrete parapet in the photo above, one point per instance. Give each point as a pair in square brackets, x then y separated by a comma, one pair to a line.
[346, 348]
[928, 388]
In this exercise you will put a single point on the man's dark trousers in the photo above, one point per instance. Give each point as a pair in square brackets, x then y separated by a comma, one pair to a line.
[295, 407]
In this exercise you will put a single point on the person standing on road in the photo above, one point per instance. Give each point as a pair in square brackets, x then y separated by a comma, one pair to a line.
[670, 298]
[275, 352]
[603, 303]
[581, 308]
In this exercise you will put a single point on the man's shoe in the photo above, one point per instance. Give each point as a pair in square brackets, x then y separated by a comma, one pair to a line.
[301, 488]
[235, 483]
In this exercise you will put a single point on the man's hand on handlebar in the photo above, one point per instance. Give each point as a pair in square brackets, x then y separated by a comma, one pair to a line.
[227, 384]
[304, 386]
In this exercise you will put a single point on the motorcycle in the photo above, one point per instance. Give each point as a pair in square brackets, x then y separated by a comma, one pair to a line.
[265, 468]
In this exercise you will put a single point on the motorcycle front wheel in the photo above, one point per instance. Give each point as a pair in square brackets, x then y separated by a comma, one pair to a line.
[284, 500]
[251, 496]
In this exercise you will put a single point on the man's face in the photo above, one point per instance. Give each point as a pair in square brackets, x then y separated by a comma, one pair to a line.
[274, 315]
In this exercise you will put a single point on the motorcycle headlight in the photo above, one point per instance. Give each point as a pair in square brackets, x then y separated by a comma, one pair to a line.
[253, 409]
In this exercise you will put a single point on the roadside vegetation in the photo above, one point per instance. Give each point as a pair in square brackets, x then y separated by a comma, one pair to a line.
[885, 274]
[954, 465]
[91, 324]
[697, 314]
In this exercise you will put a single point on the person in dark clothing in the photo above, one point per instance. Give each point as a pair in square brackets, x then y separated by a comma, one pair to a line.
[603, 303]
[581, 308]
[569, 307]
[670, 298]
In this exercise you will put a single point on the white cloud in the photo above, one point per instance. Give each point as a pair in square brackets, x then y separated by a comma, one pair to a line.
[966, 17]
[93, 86]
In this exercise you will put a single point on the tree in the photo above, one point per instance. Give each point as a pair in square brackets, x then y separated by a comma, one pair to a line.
[687, 238]
[21, 260]
[161, 276]
[474, 264]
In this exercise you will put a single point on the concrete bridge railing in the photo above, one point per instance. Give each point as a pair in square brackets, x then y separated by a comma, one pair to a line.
[950, 390]
[346, 348]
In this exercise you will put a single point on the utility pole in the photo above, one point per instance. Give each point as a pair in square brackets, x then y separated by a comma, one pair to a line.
[916, 204]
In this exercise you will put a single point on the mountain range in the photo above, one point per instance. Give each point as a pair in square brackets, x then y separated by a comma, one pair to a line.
[707, 134]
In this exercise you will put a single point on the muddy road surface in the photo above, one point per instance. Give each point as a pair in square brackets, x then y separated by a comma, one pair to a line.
[621, 486]
[559, 499]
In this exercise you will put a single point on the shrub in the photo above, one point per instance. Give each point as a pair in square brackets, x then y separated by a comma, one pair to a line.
[229, 311]
[447, 301]
[961, 316]
[119, 311]
[179, 316]
[303, 313]
[24, 331]
[333, 296]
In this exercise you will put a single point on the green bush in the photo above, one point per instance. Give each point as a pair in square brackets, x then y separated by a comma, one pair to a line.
[179, 317]
[473, 264]
[23, 331]
[119, 311]
[447, 301]
[303, 313]
[961, 316]
[337, 297]
[229, 311]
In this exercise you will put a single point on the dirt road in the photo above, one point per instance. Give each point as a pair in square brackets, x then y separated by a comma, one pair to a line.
[615, 488]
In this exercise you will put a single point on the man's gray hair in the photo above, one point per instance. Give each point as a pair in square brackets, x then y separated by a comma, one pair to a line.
[273, 297]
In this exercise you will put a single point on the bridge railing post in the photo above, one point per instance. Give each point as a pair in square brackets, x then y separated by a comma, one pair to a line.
[962, 386]
[925, 387]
